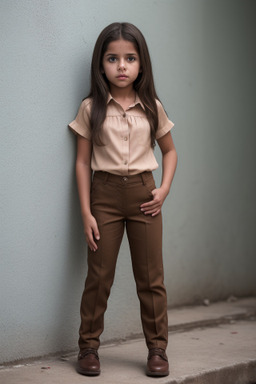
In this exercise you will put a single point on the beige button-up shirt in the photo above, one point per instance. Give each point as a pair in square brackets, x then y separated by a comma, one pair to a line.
[126, 136]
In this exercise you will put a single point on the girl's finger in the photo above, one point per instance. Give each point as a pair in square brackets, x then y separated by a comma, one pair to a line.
[156, 213]
[96, 232]
[148, 204]
[91, 243]
[150, 208]
[151, 211]
[93, 247]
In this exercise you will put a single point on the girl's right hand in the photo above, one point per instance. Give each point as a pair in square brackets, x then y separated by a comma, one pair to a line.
[91, 232]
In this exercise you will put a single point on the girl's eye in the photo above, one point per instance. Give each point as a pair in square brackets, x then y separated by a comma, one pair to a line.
[131, 59]
[112, 59]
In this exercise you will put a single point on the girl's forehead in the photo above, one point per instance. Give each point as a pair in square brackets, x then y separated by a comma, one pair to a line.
[121, 46]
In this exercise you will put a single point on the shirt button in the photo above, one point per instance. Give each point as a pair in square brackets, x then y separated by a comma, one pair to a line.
[125, 162]
[124, 115]
[125, 138]
[125, 178]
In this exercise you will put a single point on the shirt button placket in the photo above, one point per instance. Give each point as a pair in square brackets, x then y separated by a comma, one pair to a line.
[125, 142]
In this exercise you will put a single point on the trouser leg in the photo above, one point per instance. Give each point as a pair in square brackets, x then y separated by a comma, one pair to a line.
[101, 267]
[145, 244]
[145, 238]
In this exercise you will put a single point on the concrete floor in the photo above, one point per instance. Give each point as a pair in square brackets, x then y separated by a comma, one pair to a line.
[213, 344]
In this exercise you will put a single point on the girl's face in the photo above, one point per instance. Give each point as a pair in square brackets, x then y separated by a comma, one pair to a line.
[121, 64]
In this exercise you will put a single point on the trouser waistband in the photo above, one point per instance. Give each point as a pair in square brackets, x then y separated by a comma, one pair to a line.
[123, 179]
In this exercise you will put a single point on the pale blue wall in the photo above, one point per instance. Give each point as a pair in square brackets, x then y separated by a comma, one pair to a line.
[204, 63]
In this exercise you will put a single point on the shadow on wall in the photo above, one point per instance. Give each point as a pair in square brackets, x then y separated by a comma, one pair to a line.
[73, 276]
[74, 266]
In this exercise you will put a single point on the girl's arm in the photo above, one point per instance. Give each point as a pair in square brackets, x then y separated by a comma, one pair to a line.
[83, 175]
[169, 163]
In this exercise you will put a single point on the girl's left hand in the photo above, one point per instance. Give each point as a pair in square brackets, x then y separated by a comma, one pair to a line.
[154, 206]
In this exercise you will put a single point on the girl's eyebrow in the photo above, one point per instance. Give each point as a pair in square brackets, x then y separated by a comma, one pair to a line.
[115, 54]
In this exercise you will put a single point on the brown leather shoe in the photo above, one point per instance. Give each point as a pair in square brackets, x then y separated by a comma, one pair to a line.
[157, 363]
[88, 362]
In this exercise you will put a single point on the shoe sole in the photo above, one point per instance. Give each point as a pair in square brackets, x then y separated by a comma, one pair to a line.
[157, 374]
[88, 373]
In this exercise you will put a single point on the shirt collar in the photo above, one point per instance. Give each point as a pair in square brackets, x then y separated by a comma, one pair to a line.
[137, 101]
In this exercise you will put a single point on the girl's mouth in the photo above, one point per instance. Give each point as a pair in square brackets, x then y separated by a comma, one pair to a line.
[122, 77]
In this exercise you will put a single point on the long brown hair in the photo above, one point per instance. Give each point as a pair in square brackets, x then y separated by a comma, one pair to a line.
[143, 85]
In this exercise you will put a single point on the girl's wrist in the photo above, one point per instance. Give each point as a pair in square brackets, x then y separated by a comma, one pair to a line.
[86, 214]
[165, 189]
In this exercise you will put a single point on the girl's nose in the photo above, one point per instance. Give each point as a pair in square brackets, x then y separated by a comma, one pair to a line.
[121, 65]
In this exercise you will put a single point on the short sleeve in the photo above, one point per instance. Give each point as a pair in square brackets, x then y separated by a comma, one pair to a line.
[164, 124]
[81, 125]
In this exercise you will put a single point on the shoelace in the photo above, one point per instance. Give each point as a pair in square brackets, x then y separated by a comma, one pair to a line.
[157, 351]
[88, 351]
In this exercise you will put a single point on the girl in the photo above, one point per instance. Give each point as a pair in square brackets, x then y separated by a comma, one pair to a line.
[117, 126]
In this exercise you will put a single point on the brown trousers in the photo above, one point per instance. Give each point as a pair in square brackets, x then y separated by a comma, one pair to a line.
[115, 203]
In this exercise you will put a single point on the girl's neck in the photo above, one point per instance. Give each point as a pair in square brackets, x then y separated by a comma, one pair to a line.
[124, 97]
